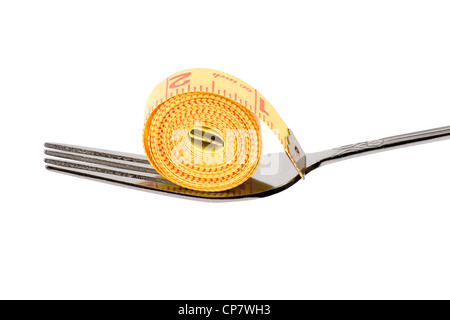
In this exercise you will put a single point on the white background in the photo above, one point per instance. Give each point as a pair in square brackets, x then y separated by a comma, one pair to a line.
[338, 72]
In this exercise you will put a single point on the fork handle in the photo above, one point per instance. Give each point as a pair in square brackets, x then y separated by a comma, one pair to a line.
[317, 159]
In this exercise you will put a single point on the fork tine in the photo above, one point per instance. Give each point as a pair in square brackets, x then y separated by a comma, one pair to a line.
[122, 156]
[152, 186]
[115, 164]
[69, 165]
[91, 175]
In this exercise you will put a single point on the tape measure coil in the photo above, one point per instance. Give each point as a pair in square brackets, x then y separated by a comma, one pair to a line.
[202, 129]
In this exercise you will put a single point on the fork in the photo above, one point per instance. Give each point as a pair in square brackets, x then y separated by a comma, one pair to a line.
[275, 172]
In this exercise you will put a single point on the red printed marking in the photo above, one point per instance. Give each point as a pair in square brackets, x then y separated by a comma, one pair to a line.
[261, 106]
[195, 88]
[212, 90]
[200, 87]
[176, 92]
[181, 77]
[206, 89]
[218, 91]
[224, 92]
[235, 96]
[189, 87]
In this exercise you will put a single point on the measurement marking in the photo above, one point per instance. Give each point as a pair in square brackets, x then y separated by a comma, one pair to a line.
[218, 91]
[200, 87]
[235, 96]
[229, 95]
[189, 87]
[182, 90]
[212, 90]
[263, 109]
[195, 88]
[224, 92]
[206, 89]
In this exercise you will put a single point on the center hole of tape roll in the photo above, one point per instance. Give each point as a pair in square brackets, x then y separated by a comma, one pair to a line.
[205, 138]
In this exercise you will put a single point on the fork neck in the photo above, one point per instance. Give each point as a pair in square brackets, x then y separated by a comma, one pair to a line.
[318, 159]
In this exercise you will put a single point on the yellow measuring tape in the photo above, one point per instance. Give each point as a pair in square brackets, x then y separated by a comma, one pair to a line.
[202, 130]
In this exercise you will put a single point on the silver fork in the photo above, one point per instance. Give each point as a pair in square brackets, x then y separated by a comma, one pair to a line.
[274, 174]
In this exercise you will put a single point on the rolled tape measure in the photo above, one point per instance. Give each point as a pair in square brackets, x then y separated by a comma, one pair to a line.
[202, 130]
